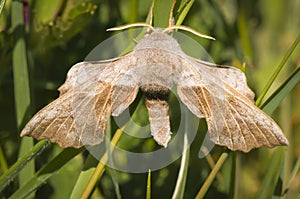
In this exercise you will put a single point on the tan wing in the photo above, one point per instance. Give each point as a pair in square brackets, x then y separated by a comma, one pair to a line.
[221, 95]
[79, 116]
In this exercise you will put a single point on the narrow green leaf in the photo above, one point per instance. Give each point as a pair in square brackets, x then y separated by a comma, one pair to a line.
[181, 179]
[161, 13]
[21, 84]
[243, 33]
[9, 175]
[113, 175]
[232, 187]
[85, 175]
[20, 69]
[211, 176]
[100, 167]
[28, 170]
[148, 193]
[185, 9]
[46, 12]
[3, 162]
[292, 177]
[276, 98]
[133, 11]
[269, 182]
[2, 4]
[276, 72]
[46, 172]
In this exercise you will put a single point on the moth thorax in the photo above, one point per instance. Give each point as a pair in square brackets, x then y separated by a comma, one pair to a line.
[159, 40]
[156, 92]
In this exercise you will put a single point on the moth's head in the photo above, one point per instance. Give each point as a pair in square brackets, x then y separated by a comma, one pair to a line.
[156, 38]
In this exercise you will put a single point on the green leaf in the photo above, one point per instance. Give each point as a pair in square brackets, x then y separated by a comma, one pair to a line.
[184, 9]
[181, 179]
[2, 4]
[269, 182]
[278, 69]
[292, 177]
[14, 170]
[212, 176]
[84, 177]
[148, 193]
[46, 11]
[161, 13]
[276, 98]
[46, 172]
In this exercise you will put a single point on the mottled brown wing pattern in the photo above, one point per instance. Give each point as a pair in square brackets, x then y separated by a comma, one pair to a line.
[233, 119]
[79, 116]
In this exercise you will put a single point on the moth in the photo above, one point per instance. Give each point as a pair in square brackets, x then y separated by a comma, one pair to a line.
[93, 91]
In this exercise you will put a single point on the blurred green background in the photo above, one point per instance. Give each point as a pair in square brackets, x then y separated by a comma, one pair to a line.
[57, 34]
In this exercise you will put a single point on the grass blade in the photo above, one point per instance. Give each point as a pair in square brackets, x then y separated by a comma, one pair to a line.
[148, 193]
[46, 172]
[292, 177]
[184, 11]
[9, 175]
[269, 182]
[2, 4]
[211, 176]
[100, 167]
[85, 175]
[161, 13]
[181, 180]
[3, 162]
[275, 99]
[278, 69]
[232, 187]
[21, 84]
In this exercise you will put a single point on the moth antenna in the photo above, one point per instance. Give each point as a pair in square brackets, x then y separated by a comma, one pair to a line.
[130, 26]
[188, 30]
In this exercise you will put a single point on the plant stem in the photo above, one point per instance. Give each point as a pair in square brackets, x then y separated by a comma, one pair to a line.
[212, 176]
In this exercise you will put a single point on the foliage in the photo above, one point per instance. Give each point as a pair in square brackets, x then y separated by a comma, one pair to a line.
[39, 42]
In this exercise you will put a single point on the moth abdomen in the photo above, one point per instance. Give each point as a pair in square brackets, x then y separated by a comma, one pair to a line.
[159, 120]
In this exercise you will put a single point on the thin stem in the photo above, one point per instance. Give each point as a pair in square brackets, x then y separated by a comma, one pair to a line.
[100, 167]
[212, 176]
[276, 72]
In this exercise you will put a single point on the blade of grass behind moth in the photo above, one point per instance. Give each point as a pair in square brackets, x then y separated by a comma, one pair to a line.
[83, 179]
[276, 98]
[269, 182]
[88, 172]
[292, 177]
[133, 11]
[184, 8]
[100, 167]
[3, 162]
[46, 172]
[21, 85]
[112, 172]
[182, 175]
[148, 192]
[232, 186]
[212, 176]
[276, 72]
[243, 33]
[161, 12]
[9, 175]
[2, 3]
